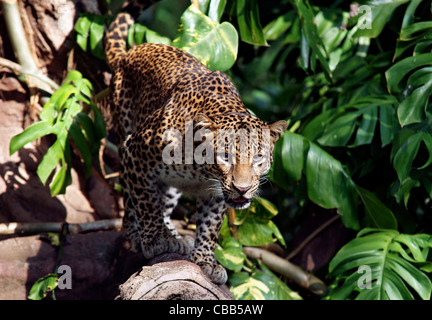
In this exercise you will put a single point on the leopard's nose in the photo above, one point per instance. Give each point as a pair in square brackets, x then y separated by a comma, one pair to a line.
[241, 189]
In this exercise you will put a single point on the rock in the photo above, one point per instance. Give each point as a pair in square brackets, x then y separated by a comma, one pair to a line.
[92, 258]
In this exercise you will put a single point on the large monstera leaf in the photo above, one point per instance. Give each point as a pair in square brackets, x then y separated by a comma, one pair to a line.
[382, 265]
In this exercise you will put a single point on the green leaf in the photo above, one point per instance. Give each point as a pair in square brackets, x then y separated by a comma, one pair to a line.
[62, 178]
[339, 131]
[87, 124]
[403, 191]
[264, 209]
[83, 146]
[310, 40]
[380, 13]
[391, 275]
[99, 123]
[317, 125]
[412, 109]
[357, 117]
[60, 116]
[401, 69]
[245, 287]
[96, 37]
[280, 289]
[214, 44]
[366, 127]
[31, 133]
[254, 225]
[73, 76]
[249, 22]
[230, 254]
[50, 161]
[409, 13]
[90, 32]
[42, 286]
[253, 232]
[330, 185]
[261, 285]
[388, 124]
[377, 214]
[82, 27]
[405, 149]
[411, 31]
[216, 9]
[293, 150]
[280, 25]
[139, 34]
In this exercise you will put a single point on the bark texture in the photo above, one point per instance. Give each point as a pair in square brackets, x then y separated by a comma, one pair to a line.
[172, 280]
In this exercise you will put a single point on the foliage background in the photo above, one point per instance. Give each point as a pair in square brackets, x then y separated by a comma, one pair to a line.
[355, 91]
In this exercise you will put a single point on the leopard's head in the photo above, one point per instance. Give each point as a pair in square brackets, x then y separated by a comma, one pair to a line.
[242, 153]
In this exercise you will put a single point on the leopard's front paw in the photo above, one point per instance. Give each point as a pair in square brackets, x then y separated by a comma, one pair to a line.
[207, 262]
[214, 271]
[166, 245]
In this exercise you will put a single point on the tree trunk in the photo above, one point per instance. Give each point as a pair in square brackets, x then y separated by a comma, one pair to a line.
[167, 278]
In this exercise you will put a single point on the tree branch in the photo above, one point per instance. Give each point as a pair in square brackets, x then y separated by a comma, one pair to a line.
[231, 222]
[17, 70]
[286, 268]
[311, 237]
[20, 46]
[43, 227]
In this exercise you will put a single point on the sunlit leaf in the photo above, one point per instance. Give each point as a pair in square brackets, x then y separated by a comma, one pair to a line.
[254, 225]
[214, 44]
[90, 32]
[33, 132]
[261, 285]
[230, 254]
[62, 116]
[42, 286]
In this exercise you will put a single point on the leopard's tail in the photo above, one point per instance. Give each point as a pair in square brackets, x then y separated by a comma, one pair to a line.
[115, 46]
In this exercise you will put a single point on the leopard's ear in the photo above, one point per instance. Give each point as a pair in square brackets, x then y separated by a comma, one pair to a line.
[203, 121]
[276, 129]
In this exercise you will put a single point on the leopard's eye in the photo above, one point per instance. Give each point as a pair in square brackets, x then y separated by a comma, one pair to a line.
[224, 158]
[258, 159]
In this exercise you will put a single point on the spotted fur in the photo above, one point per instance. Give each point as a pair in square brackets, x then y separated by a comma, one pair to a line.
[157, 87]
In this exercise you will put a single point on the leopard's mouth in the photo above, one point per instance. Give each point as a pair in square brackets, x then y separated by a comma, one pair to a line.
[238, 203]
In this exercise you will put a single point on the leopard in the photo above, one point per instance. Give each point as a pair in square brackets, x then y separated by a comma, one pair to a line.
[158, 88]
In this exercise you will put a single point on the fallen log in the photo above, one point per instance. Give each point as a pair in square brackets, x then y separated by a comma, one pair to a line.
[171, 277]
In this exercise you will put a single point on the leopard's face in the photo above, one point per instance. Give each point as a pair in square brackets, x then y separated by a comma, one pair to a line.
[243, 153]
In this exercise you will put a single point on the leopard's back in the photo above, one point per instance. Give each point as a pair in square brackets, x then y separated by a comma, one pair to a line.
[145, 77]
